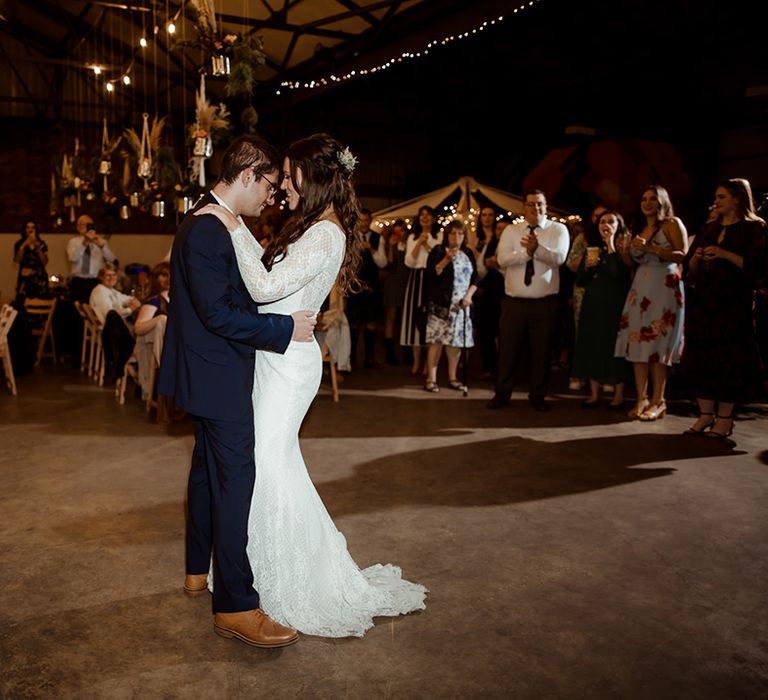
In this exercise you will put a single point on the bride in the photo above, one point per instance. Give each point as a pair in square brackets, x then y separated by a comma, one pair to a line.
[301, 567]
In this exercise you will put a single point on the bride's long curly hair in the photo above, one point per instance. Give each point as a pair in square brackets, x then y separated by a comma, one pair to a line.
[326, 179]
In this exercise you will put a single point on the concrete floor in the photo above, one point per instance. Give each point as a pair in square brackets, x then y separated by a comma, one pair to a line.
[572, 554]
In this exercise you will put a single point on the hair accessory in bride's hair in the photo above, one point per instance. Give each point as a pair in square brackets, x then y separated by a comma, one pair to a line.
[347, 160]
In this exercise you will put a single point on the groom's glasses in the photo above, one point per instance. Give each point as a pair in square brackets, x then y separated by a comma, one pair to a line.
[272, 185]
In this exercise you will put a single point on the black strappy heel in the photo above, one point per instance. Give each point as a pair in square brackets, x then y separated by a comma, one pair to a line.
[721, 436]
[693, 431]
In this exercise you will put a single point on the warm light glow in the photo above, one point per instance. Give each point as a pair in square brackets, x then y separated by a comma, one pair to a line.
[171, 28]
[97, 70]
[143, 43]
[110, 87]
[127, 79]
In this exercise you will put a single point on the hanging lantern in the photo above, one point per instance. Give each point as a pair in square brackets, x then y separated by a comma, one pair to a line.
[221, 64]
[158, 209]
[125, 212]
[203, 147]
[145, 169]
[105, 166]
[133, 199]
[145, 154]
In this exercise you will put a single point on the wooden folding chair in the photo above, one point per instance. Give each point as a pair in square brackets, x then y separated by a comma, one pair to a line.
[41, 321]
[87, 337]
[96, 363]
[7, 317]
[327, 357]
[131, 370]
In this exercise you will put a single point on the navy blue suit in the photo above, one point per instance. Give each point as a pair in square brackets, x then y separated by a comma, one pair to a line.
[207, 367]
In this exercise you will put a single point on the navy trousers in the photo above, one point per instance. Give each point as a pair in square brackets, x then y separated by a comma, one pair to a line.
[219, 499]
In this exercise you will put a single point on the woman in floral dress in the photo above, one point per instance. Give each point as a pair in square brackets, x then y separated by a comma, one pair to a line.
[651, 325]
[451, 284]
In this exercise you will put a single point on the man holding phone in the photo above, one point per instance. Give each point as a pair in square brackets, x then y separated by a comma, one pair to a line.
[87, 252]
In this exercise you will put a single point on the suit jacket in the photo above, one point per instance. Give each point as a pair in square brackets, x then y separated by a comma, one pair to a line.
[213, 325]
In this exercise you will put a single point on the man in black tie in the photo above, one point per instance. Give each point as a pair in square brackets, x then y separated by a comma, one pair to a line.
[529, 254]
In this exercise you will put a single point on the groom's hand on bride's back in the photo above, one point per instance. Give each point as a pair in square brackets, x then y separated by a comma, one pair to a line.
[303, 326]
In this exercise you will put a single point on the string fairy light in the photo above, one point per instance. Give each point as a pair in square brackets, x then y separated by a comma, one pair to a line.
[405, 56]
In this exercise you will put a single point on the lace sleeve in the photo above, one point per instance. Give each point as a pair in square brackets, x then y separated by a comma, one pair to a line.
[305, 260]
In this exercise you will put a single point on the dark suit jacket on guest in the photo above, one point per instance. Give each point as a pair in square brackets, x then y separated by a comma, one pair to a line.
[213, 324]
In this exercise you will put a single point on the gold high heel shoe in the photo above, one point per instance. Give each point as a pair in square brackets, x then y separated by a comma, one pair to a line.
[654, 411]
[640, 407]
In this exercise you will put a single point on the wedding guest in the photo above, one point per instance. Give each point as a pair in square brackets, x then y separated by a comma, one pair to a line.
[87, 252]
[423, 238]
[483, 232]
[393, 286]
[113, 309]
[724, 266]
[604, 270]
[105, 298]
[651, 325]
[530, 253]
[155, 305]
[31, 254]
[364, 306]
[487, 301]
[451, 284]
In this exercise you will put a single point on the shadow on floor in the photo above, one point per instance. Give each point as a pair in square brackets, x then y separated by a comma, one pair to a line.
[510, 470]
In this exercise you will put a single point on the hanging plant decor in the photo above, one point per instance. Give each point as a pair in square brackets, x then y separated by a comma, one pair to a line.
[233, 55]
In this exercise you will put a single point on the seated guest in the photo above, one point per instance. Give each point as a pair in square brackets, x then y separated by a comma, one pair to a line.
[451, 284]
[113, 308]
[105, 298]
[155, 305]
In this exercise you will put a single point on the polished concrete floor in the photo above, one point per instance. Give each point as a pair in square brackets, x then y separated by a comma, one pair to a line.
[573, 554]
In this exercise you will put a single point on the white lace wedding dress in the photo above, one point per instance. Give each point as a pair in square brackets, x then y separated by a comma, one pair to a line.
[304, 575]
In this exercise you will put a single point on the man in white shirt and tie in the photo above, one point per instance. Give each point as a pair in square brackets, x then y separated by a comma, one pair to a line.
[87, 252]
[529, 254]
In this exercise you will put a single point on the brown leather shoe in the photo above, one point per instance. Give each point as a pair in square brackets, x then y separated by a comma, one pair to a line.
[195, 584]
[255, 628]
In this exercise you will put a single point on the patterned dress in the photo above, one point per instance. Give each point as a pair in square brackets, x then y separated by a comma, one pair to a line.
[451, 330]
[651, 324]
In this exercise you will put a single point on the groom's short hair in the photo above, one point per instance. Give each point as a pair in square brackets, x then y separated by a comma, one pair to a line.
[248, 152]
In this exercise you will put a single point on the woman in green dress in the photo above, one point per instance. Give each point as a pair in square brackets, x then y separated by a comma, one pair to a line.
[605, 273]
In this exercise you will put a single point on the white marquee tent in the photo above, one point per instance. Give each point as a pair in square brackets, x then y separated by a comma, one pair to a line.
[458, 200]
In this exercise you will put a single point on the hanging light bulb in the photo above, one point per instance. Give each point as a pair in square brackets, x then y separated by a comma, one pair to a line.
[143, 43]
[171, 27]
[126, 79]
[110, 87]
[97, 70]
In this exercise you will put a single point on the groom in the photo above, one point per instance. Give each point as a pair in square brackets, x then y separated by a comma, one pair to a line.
[207, 366]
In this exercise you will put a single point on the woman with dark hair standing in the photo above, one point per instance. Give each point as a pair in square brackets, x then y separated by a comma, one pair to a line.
[424, 236]
[604, 272]
[651, 324]
[451, 284]
[490, 290]
[724, 266]
[31, 253]
[301, 567]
